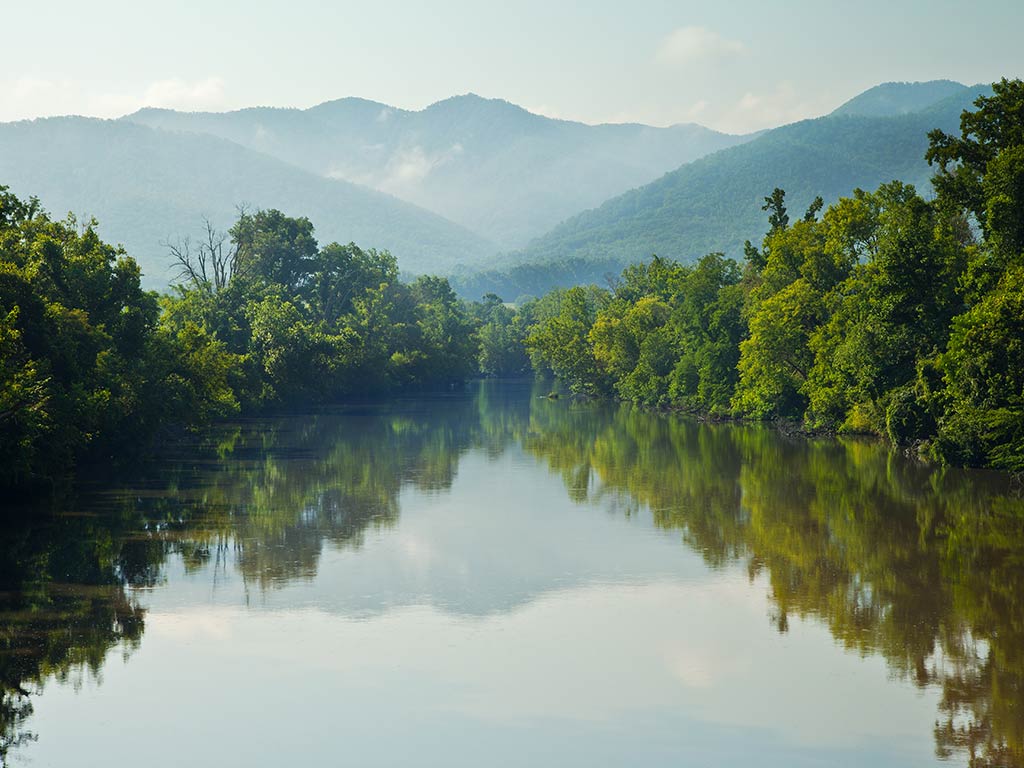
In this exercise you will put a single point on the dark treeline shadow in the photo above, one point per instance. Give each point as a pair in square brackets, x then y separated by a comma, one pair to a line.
[262, 496]
[919, 565]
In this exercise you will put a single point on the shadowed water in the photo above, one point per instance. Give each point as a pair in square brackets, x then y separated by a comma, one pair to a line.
[495, 578]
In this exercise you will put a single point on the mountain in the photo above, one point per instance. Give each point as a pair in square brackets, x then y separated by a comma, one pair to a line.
[146, 185]
[491, 166]
[890, 99]
[714, 204]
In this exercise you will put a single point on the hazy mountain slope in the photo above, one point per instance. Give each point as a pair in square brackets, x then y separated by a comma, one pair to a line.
[714, 204]
[890, 99]
[146, 185]
[496, 168]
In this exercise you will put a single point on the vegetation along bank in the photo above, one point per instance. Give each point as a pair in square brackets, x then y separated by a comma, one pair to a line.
[886, 313]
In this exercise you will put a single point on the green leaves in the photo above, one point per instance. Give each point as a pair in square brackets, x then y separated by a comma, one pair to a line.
[775, 358]
[561, 339]
[884, 315]
[984, 375]
[91, 365]
[964, 162]
[75, 334]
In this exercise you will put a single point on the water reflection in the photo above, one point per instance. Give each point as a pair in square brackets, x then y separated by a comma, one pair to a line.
[923, 568]
[65, 603]
[273, 493]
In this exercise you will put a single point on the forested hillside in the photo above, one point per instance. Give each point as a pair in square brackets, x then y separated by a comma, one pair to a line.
[503, 172]
[714, 204]
[147, 186]
[889, 314]
[885, 313]
[890, 99]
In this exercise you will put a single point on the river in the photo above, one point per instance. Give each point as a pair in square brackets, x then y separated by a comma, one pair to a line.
[491, 577]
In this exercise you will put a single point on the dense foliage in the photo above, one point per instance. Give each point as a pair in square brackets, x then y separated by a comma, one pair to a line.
[888, 314]
[264, 317]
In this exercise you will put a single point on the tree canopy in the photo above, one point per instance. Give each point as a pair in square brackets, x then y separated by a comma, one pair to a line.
[92, 366]
[886, 314]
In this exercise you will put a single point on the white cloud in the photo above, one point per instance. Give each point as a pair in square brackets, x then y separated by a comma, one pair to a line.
[27, 97]
[749, 102]
[28, 88]
[175, 93]
[404, 171]
[746, 111]
[784, 103]
[697, 109]
[690, 44]
[546, 110]
[409, 166]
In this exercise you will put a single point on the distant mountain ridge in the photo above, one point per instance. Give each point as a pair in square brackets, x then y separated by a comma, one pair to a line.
[493, 167]
[891, 99]
[714, 203]
[146, 186]
[152, 176]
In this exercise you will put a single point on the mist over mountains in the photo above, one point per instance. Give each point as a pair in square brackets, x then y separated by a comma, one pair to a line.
[493, 167]
[714, 204]
[501, 199]
[147, 187]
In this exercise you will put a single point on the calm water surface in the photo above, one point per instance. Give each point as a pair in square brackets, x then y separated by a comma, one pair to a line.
[493, 578]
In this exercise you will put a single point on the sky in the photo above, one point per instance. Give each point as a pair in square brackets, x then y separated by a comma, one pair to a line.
[733, 66]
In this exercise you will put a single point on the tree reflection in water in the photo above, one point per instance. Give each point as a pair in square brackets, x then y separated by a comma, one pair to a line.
[922, 566]
[65, 602]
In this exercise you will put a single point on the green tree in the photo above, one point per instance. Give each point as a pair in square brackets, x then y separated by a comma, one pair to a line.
[775, 205]
[561, 339]
[445, 334]
[501, 337]
[963, 161]
[77, 344]
[775, 358]
[890, 313]
[275, 248]
[984, 372]
[709, 326]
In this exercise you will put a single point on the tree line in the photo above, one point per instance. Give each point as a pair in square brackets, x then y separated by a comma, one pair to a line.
[93, 367]
[884, 314]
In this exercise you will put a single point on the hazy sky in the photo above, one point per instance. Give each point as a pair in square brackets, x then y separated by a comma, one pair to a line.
[735, 66]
